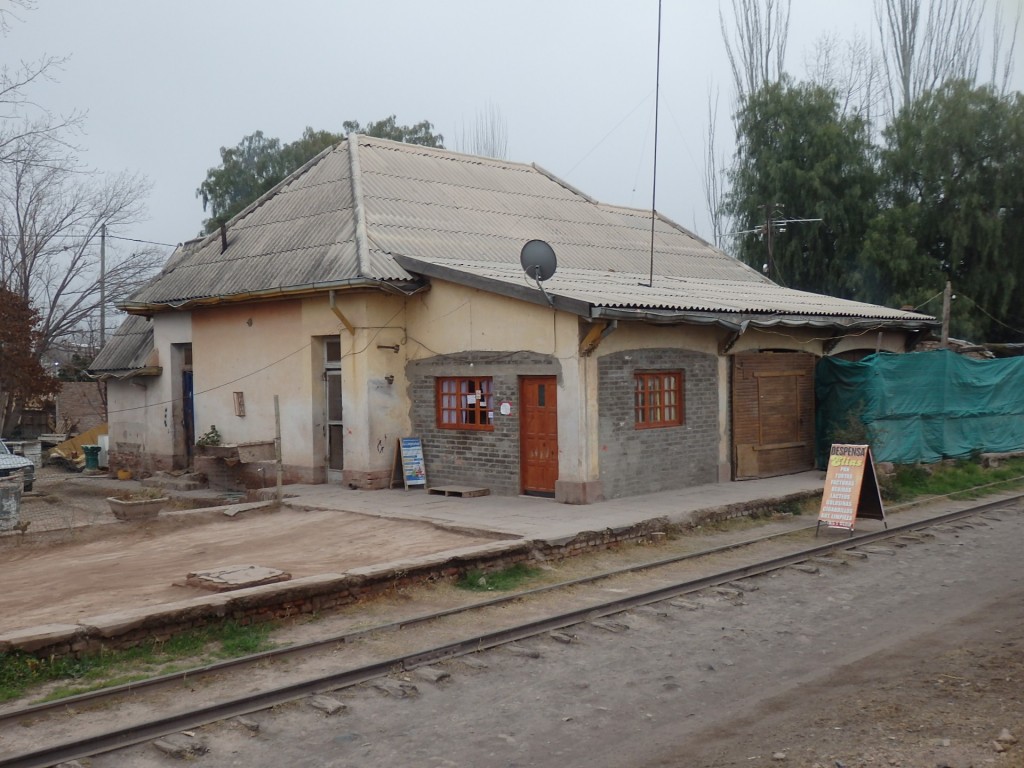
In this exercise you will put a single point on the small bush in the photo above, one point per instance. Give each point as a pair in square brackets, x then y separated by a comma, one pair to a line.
[497, 581]
[959, 477]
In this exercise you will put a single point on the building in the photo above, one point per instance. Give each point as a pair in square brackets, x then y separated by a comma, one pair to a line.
[378, 293]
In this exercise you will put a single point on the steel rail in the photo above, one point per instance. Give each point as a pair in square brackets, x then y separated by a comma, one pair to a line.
[299, 649]
[139, 733]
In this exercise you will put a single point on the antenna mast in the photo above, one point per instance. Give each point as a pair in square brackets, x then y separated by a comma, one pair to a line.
[654, 181]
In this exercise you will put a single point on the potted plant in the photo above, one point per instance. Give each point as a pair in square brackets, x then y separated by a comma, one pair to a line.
[144, 504]
[210, 443]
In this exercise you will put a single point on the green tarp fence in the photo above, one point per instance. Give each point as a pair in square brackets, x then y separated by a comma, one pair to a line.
[920, 407]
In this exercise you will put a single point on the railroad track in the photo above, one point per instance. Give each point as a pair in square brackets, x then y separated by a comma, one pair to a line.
[233, 706]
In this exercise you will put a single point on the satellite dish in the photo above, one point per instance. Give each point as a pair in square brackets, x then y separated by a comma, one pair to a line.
[538, 260]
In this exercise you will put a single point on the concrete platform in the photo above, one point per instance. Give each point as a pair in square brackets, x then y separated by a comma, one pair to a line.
[548, 521]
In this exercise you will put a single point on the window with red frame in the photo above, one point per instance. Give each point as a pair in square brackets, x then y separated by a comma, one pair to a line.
[659, 399]
[465, 403]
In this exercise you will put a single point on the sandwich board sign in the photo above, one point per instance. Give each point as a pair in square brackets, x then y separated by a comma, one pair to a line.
[851, 489]
[409, 464]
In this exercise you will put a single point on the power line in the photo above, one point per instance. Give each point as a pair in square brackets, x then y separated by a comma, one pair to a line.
[147, 242]
[90, 237]
[992, 317]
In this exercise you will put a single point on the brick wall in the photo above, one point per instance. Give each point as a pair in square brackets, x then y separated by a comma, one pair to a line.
[471, 457]
[635, 461]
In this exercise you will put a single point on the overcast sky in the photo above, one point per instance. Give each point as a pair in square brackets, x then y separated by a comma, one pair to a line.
[166, 84]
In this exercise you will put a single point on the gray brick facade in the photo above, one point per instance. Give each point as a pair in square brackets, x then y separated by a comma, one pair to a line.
[488, 459]
[635, 461]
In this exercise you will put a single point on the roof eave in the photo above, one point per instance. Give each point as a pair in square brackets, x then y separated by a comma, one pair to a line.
[521, 292]
[401, 287]
[122, 374]
[738, 321]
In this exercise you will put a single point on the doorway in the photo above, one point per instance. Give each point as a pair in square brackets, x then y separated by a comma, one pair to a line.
[538, 435]
[334, 426]
[184, 438]
[772, 413]
[188, 417]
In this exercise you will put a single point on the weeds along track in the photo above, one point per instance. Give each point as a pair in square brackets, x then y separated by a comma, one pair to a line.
[160, 706]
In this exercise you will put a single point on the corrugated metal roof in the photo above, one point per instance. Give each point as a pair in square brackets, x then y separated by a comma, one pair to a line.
[298, 236]
[630, 290]
[128, 349]
[463, 207]
[466, 213]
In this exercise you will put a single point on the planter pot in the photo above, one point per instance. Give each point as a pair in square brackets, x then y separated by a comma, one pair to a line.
[218, 451]
[136, 509]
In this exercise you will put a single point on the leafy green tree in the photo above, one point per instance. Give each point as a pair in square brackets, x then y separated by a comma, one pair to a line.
[952, 209]
[257, 163]
[246, 171]
[799, 157]
[421, 133]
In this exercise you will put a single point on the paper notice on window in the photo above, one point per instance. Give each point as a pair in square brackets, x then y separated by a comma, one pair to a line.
[470, 399]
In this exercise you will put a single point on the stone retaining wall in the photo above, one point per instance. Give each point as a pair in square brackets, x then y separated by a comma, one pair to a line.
[330, 591]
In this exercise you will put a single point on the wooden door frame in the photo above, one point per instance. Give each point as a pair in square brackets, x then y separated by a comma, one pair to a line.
[553, 381]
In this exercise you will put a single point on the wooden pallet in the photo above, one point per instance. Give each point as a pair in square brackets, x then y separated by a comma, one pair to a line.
[465, 491]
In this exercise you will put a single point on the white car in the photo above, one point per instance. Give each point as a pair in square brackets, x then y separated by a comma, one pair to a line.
[12, 465]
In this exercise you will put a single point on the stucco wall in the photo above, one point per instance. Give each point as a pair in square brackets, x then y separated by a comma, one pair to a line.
[127, 426]
[277, 348]
[399, 345]
[144, 413]
[635, 461]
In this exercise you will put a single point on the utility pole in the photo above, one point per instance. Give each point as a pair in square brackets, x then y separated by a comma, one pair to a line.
[774, 222]
[947, 296]
[771, 211]
[103, 285]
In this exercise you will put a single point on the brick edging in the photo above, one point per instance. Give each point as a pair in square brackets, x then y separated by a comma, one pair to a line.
[329, 591]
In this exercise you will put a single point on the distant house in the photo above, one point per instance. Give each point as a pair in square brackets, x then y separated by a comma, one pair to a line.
[378, 292]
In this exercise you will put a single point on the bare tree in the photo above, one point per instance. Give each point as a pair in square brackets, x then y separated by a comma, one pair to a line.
[20, 116]
[51, 216]
[849, 68]
[52, 213]
[925, 44]
[757, 53]
[713, 181]
[1002, 61]
[8, 12]
[488, 135]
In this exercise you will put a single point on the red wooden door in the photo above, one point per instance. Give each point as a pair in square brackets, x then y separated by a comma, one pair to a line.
[538, 434]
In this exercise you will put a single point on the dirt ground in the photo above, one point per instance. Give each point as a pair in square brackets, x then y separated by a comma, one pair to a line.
[61, 571]
[911, 659]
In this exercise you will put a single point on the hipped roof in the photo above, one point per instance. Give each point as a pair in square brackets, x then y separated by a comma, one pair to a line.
[371, 213]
